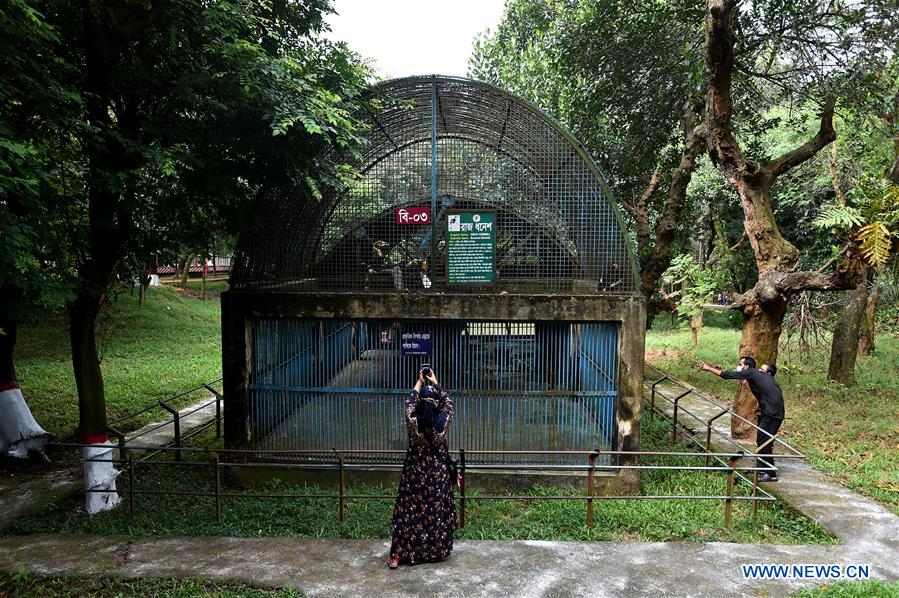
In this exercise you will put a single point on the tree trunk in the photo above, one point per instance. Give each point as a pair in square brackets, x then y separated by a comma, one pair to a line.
[866, 343]
[696, 323]
[656, 257]
[144, 287]
[775, 257]
[203, 288]
[20, 434]
[844, 349]
[759, 340]
[7, 345]
[186, 271]
[88, 377]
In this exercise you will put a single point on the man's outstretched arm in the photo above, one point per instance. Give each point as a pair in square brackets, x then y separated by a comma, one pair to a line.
[707, 368]
[744, 375]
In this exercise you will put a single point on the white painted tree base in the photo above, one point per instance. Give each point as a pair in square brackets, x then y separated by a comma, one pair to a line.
[19, 432]
[100, 474]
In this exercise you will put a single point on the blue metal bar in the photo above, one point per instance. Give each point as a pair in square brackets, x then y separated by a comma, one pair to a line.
[516, 385]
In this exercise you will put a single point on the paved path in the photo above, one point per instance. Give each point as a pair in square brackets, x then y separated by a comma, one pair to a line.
[324, 567]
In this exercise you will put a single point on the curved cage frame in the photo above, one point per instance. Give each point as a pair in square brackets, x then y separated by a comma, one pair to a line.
[443, 145]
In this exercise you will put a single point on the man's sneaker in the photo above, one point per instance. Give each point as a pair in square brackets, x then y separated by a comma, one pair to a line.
[767, 477]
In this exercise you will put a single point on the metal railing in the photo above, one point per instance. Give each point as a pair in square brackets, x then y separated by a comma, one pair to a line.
[341, 461]
[688, 390]
[709, 429]
[124, 439]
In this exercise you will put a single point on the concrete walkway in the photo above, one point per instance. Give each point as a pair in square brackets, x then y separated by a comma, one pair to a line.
[325, 567]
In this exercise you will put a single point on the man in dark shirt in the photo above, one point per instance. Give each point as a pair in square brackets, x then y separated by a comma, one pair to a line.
[770, 406]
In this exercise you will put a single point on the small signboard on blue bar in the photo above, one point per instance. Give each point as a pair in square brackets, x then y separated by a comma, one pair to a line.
[415, 343]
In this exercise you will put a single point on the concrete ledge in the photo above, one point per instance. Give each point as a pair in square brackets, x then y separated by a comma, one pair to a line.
[436, 306]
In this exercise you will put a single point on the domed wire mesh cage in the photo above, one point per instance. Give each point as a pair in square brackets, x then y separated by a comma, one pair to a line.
[438, 150]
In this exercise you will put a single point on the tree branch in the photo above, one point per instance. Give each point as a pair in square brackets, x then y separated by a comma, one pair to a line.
[666, 225]
[775, 286]
[714, 259]
[640, 212]
[724, 150]
[835, 176]
[826, 134]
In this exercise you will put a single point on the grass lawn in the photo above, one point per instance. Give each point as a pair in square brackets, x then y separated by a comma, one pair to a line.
[24, 583]
[853, 589]
[173, 343]
[851, 433]
[651, 520]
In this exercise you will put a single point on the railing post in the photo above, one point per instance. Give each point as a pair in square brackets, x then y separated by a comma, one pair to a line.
[462, 488]
[341, 489]
[755, 491]
[591, 486]
[131, 484]
[218, 416]
[176, 420]
[218, 409]
[652, 400]
[708, 435]
[177, 436]
[674, 417]
[120, 439]
[218, 487]
[729, 501]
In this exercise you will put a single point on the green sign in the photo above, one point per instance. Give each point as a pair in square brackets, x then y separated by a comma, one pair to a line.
[470, 247]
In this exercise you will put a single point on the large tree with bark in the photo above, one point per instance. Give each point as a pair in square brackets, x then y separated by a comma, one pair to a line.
[183, 112]
[811, 49]
[37, 161]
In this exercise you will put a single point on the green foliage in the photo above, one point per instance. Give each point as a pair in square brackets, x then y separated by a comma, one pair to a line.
[838, 217]
[35, 140]
[871, 219]
[616, 77]
[873, 588]
[26, 583]
[176, 114]
[697, 285]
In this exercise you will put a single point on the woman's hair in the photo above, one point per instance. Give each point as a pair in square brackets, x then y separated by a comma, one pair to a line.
[430, 419]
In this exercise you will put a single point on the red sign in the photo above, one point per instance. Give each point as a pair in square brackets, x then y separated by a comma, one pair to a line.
[413, 215]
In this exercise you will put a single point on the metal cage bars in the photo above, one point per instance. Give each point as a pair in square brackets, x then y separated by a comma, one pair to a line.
[319, 383]
[443, 143]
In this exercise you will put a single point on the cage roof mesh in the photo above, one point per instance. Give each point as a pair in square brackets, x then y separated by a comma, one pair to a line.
[557, 229]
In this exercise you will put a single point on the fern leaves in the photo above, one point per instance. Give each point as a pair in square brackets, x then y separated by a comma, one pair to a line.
[875, 243]
[843, 217]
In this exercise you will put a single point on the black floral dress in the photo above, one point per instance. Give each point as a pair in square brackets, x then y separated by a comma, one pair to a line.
[424, 517]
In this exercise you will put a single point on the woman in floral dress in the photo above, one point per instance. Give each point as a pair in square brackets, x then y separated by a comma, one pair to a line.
[424, 517]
